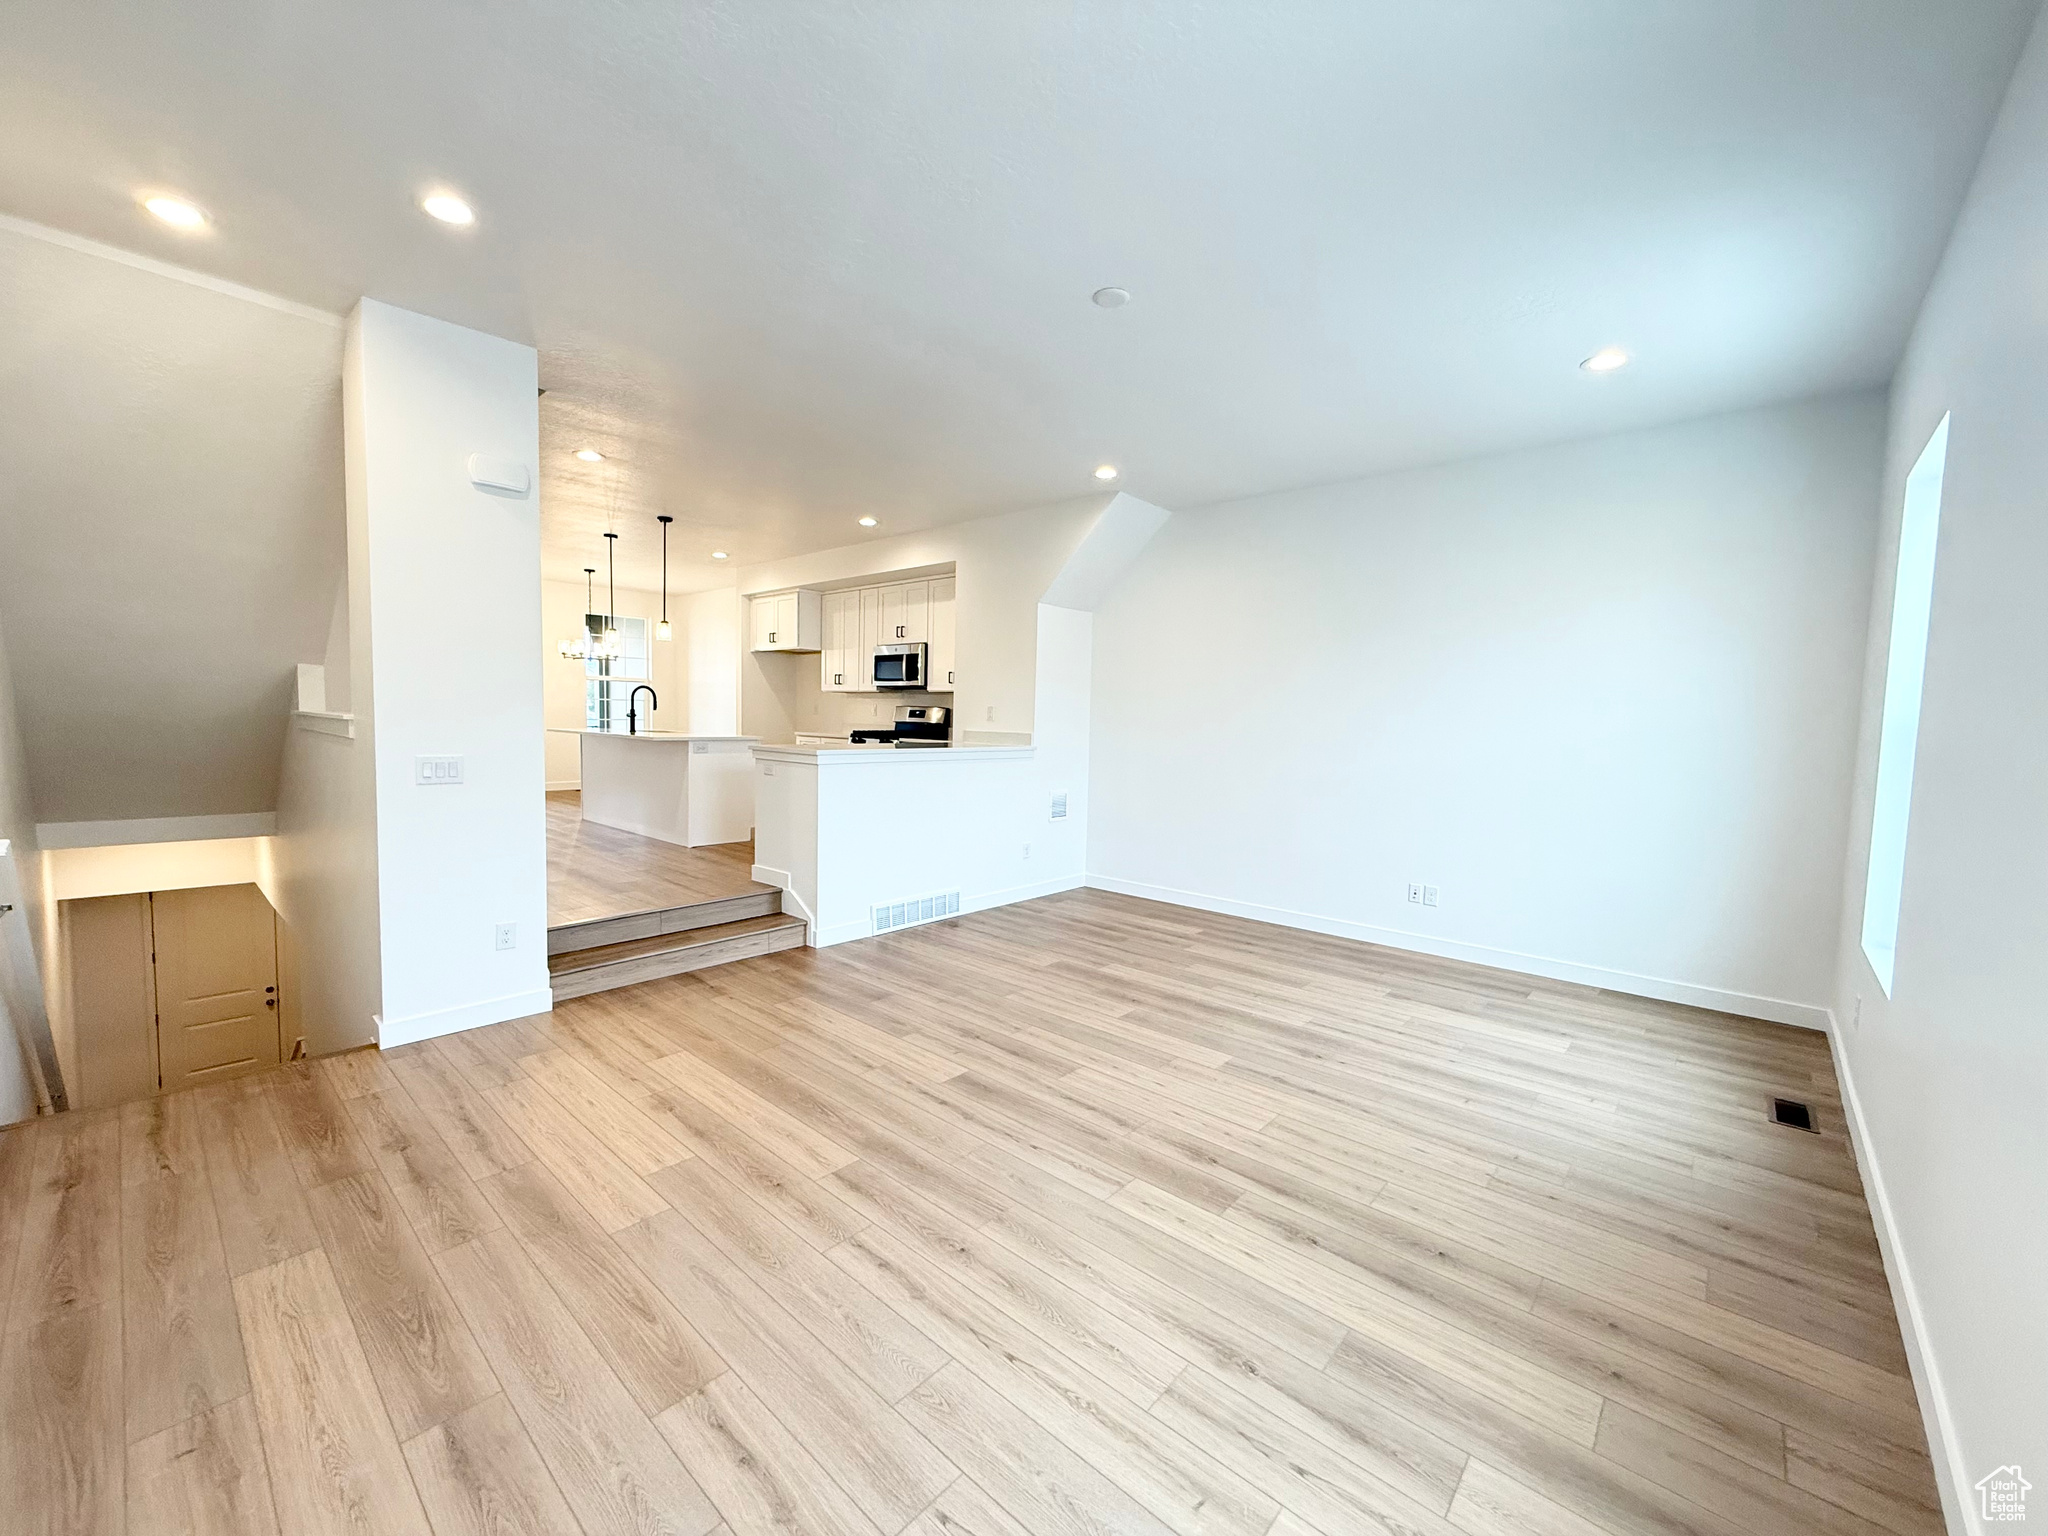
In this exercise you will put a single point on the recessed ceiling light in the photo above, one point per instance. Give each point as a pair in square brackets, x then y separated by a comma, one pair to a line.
[718, 554]
[1606, 360]
[1112, 298]
[867, 522]
[176, 212]
[590, 455]
[1105, 471]
[448, 208]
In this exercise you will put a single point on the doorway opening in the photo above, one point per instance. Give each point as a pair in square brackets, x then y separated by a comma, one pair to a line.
[169, 989]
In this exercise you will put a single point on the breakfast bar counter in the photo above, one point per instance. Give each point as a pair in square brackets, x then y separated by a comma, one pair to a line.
[678, 787]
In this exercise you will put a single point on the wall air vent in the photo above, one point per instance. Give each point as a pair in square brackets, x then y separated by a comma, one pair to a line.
[1059, 806]
[1793, 1113]
[923, 909]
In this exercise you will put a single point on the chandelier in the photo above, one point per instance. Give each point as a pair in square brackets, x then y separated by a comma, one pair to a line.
[598, 639]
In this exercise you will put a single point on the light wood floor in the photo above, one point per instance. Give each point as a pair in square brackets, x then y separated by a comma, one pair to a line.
[1085, 1217]
[596, 871]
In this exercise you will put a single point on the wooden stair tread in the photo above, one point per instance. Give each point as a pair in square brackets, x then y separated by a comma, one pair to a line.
[657, 922]
[666, 943]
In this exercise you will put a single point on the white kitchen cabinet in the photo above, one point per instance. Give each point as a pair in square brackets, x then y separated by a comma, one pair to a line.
[841, 664]
[867, 636]
[906, 612]
[786, 621]
[940, 655]
[854, 621]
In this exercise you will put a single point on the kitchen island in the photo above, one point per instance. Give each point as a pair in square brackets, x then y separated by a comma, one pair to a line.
[677, 787]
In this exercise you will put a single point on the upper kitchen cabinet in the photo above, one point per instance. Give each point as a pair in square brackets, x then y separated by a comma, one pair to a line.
[786, 621]
[939, 661]
[858, 619]
[843, 667]
[906, 613]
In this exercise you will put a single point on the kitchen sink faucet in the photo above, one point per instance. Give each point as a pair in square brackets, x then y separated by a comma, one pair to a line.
[632, 707]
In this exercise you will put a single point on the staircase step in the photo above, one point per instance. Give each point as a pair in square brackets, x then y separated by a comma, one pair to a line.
[581, 972]
[662, 920]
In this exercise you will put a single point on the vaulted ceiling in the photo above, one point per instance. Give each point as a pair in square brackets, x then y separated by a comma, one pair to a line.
[790, 263]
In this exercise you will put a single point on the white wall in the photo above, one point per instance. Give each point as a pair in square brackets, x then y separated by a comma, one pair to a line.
[1601, 695]
[170, 525]
[1060, 738]
[24, 931]
[1951, 1073]
[712, 658]
[78, 873]
[449, 575]
[325, 887]
[562, 613]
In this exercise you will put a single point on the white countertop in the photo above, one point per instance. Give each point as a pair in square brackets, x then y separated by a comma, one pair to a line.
[577, 730]
[878, 752]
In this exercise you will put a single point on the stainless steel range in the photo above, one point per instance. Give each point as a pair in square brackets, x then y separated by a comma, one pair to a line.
[917, 725]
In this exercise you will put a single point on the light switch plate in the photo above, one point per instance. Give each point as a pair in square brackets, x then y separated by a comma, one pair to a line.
[437, 770]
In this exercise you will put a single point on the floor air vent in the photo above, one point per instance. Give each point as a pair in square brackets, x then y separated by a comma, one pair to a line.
[925, 909]
[1793, 1113]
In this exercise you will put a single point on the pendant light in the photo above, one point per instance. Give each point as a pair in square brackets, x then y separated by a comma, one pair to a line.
[578, 649]
[608, 646]
[661, 630]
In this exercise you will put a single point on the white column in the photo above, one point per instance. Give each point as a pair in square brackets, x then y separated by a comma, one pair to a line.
[446, 662]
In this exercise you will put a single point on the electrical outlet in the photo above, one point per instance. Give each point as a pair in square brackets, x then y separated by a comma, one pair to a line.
[991, 714]
[508, 935]
[1429, 895]
[1027, 850]
[1415, 894]
[1856, 1015]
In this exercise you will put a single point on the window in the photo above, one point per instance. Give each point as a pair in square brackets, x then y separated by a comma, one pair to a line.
[605, 694]
[1912, 604]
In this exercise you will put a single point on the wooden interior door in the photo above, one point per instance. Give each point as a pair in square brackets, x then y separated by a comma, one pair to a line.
[216, 983]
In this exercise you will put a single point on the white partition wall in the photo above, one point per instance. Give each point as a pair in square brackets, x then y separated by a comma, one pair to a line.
[445, 578]
[845, 830]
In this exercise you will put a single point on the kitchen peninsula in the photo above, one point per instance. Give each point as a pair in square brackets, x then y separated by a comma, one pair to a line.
[867, 839]
[678, 787]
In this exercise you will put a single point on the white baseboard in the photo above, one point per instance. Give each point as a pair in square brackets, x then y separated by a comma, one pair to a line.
[1015, 893]
[1951, 1474]
[450, 1021]
[557, 785]
[1776, 1010]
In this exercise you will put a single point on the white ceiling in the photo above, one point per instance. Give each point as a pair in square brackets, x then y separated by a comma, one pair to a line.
[798, 260]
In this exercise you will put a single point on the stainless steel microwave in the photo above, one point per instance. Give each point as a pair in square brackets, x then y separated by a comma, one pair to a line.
[900, 666]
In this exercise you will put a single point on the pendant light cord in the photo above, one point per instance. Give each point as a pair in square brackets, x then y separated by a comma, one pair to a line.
[611, 578]
[664, 519]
